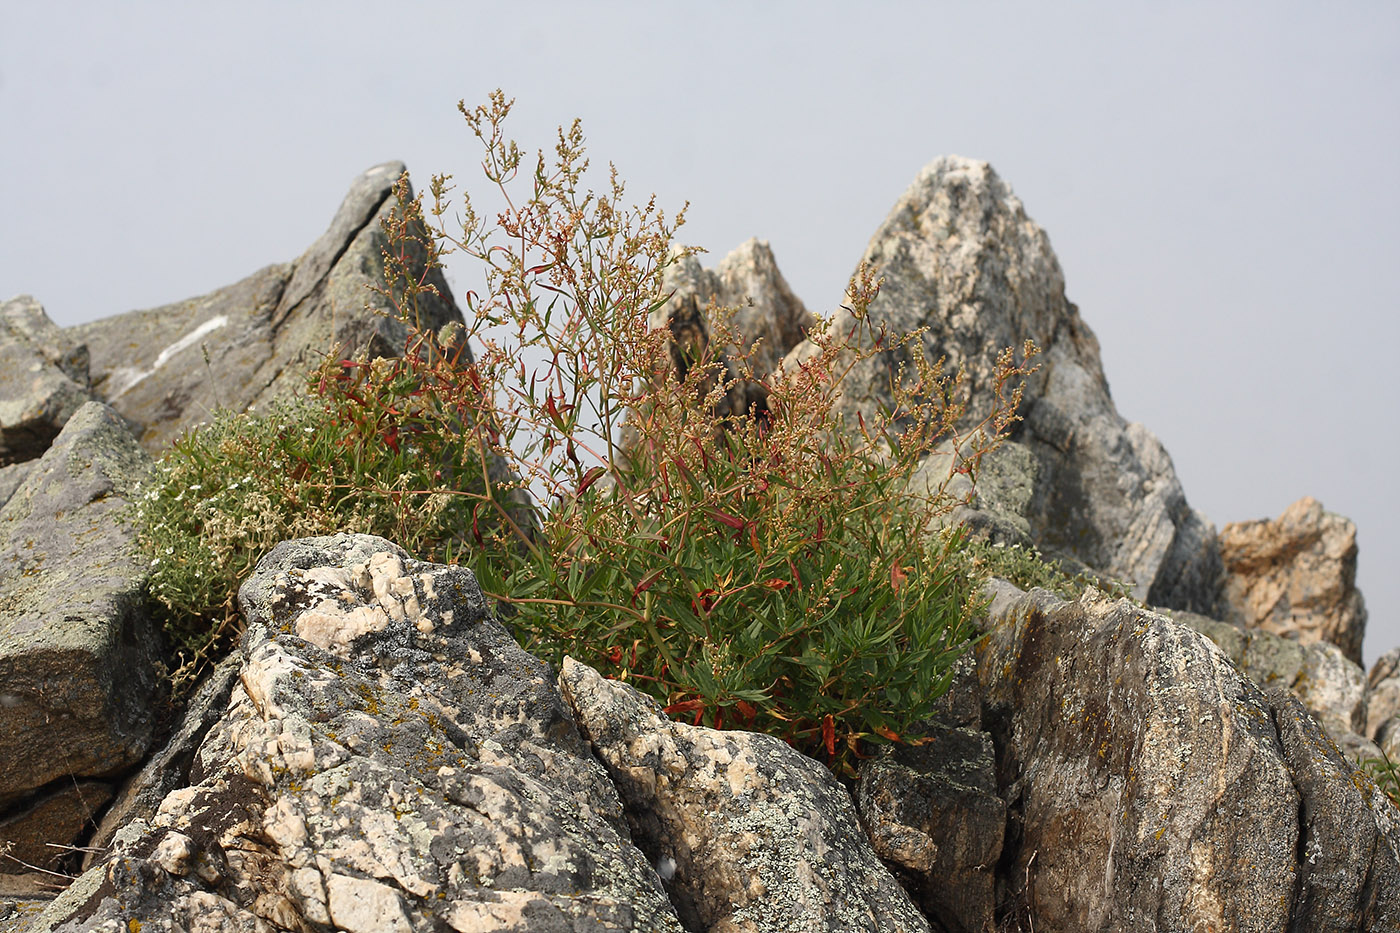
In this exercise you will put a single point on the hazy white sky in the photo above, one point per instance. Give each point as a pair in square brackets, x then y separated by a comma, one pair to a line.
[1220, 181]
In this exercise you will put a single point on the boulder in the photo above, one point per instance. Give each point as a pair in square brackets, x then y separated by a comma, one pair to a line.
[1151, 785]
[960, 258]
[750, 835]
[43, 381]
[390, 760]
[168, 368]
[77, 651]
[1295, 574]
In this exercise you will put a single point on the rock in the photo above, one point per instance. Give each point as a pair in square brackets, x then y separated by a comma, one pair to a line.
[390, 760]
[43, 381]
[1383, 692]
[1328, 685]
[750, 834]
[239, 347]
[1148, 786]
[1348, 874]
[934, 814]
[168, 769]
[1295, 574]
[77, 650]
[769, 318]
[35, 837]
[959, 256]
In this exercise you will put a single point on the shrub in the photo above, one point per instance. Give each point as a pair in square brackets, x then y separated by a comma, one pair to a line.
[777, 572]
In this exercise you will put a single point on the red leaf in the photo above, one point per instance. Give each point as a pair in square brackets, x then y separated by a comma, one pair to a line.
[888, 733]
[615, 654]
[733, 521]
[746, 709]
[645, 583]
[704, 601]
[777, 583]
[829, 735]
[897, 577]
[685, 706]
[589, 478]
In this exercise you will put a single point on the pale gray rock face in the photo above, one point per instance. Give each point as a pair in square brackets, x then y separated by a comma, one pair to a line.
[1295, 574]
[43, 381]
[167, 369]
[753, 836]
[1327, 683]
[77, 651]
[1149, 788]
[959, 256]
[390, 761]
[768, 317]
[1383, 692]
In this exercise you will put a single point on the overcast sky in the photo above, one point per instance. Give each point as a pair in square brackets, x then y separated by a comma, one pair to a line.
[1221, 182]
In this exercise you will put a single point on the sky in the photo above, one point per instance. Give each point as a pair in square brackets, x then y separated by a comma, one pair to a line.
[1220, 181]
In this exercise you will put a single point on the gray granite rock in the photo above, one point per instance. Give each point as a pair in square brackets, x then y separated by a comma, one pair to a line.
[76, 648]
[1152, 786]
[43, 381]
[168, 368]
[751, 835]
[960, 257]
[390, 760]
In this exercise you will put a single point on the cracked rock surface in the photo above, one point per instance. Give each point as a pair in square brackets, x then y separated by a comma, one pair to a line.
[390, 761]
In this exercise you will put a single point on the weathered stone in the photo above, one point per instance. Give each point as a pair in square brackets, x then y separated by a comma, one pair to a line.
[769, 319]
[169, 768]
[1348, 864]
[390, 760]
[34, 836]
[1146, 784]
[76, 648]
[43, 380]
[1296, 574]
[960, 258]
[751, 835]
[166, 369]
[1383, 692]
[1332, 689]
[933, 813]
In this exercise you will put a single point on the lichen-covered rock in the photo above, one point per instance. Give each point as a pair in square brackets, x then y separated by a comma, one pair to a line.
[1147, 784]
[167, 368]
[960, 257]
[1295, 574]
[751, 835]
[391, 760]
[1329, 685]
[169, 768]
[77, 650]
[43, 380]
[933, 812]
[1348, 871]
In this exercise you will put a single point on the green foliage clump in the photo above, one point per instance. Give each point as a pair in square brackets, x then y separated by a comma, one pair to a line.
[1386, 774]
[1027, 568]
[774, 569]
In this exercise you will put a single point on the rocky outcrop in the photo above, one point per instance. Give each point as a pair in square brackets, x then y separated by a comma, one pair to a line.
[1152, 786]
[76, 649]
[750, 835]
[1295, 575]
[168, 368]
[43, 381]
[390, 761]
[959, 257]
[769, 319]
